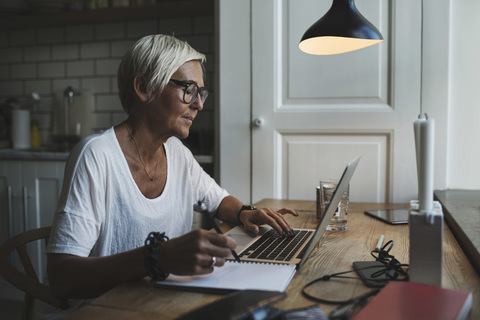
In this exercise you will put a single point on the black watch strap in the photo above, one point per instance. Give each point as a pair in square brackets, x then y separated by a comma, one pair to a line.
[244, 207]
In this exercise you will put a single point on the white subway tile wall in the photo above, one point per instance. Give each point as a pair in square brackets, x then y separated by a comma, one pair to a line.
[48, 60]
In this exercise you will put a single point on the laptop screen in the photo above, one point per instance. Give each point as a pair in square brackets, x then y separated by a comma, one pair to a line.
[322, 226]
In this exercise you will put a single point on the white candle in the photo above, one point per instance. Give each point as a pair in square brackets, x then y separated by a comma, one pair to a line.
[424, 140]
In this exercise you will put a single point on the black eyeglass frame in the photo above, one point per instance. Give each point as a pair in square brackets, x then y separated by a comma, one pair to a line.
[200, 91]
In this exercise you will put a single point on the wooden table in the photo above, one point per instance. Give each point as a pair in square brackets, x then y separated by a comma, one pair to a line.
[335, 252]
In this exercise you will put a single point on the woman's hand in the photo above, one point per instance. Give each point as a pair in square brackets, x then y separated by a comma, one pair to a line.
[193, 252]
[251, 219]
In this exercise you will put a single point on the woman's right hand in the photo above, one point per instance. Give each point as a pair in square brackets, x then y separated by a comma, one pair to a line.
[193, 252]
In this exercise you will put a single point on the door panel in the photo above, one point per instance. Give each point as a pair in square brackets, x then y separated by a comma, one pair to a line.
[44, 180]
[314, 156]
[332, 79]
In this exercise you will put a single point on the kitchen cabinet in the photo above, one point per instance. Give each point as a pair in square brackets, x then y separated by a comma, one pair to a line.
[29, 191]
[165, 9]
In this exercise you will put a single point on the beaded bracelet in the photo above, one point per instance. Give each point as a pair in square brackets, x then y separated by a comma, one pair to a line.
[152, 262]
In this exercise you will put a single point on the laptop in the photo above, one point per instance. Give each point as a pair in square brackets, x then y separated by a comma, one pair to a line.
[269, 247]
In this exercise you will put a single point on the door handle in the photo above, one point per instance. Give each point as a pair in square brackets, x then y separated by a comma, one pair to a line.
[10, 217]
[258, 122]
[25, 209]
[10, 211]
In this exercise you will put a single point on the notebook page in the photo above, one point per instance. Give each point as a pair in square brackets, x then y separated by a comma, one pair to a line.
[236, 276]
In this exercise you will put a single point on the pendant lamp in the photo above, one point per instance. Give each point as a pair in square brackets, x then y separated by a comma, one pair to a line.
[341, 29]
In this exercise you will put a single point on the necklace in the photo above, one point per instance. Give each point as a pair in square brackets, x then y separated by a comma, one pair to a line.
[140, 156]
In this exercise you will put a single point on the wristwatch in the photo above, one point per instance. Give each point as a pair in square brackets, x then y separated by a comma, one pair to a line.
[244, 207]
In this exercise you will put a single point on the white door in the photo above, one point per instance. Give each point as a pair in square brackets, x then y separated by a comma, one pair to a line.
[312, 114]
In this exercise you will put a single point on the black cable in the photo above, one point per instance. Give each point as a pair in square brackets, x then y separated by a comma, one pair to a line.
[326, 278]
[383, 256]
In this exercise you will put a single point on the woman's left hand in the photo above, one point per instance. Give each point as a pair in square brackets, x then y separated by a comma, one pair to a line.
[251, 219]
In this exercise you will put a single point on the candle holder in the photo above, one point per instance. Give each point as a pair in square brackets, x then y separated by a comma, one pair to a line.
[426, 238]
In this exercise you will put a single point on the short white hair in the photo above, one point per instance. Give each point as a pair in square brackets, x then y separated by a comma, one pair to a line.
[156, 58]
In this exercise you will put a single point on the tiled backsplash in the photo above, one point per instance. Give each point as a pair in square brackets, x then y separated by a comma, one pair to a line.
[48, 60]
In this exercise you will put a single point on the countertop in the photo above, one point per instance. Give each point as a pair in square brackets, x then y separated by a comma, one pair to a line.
[33, 154]
[48, 154]
[462, 213]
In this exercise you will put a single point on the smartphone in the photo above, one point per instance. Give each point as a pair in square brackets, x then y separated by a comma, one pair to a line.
[239, 305]
[367, 269]
[391, 216]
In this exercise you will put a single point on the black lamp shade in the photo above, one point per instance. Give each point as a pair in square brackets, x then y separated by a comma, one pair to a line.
[341, 29]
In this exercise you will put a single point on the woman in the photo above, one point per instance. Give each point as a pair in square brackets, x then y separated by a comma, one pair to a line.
[137, 177]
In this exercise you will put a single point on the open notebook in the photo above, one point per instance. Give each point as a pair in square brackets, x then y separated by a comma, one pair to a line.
[270, 269]
[235, 276]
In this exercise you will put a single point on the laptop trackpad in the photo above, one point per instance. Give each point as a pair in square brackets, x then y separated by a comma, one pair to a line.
[244, 238]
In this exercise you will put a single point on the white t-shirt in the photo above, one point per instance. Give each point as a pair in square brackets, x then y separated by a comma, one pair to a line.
[101, 210]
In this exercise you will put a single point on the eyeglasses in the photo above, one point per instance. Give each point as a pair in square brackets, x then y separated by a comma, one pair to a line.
[191, 91]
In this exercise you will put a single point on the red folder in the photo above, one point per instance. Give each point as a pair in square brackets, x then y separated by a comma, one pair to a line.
[408, 300]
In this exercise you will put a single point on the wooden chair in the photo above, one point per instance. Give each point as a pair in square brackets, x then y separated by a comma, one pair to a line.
[27, 279]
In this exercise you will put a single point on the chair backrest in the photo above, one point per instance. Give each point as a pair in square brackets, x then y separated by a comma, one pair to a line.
[27, 280]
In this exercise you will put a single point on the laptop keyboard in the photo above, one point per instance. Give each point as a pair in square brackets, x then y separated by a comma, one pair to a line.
[272, 246]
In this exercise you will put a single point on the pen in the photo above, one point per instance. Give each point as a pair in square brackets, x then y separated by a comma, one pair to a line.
[379, 243]
[203, 209]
